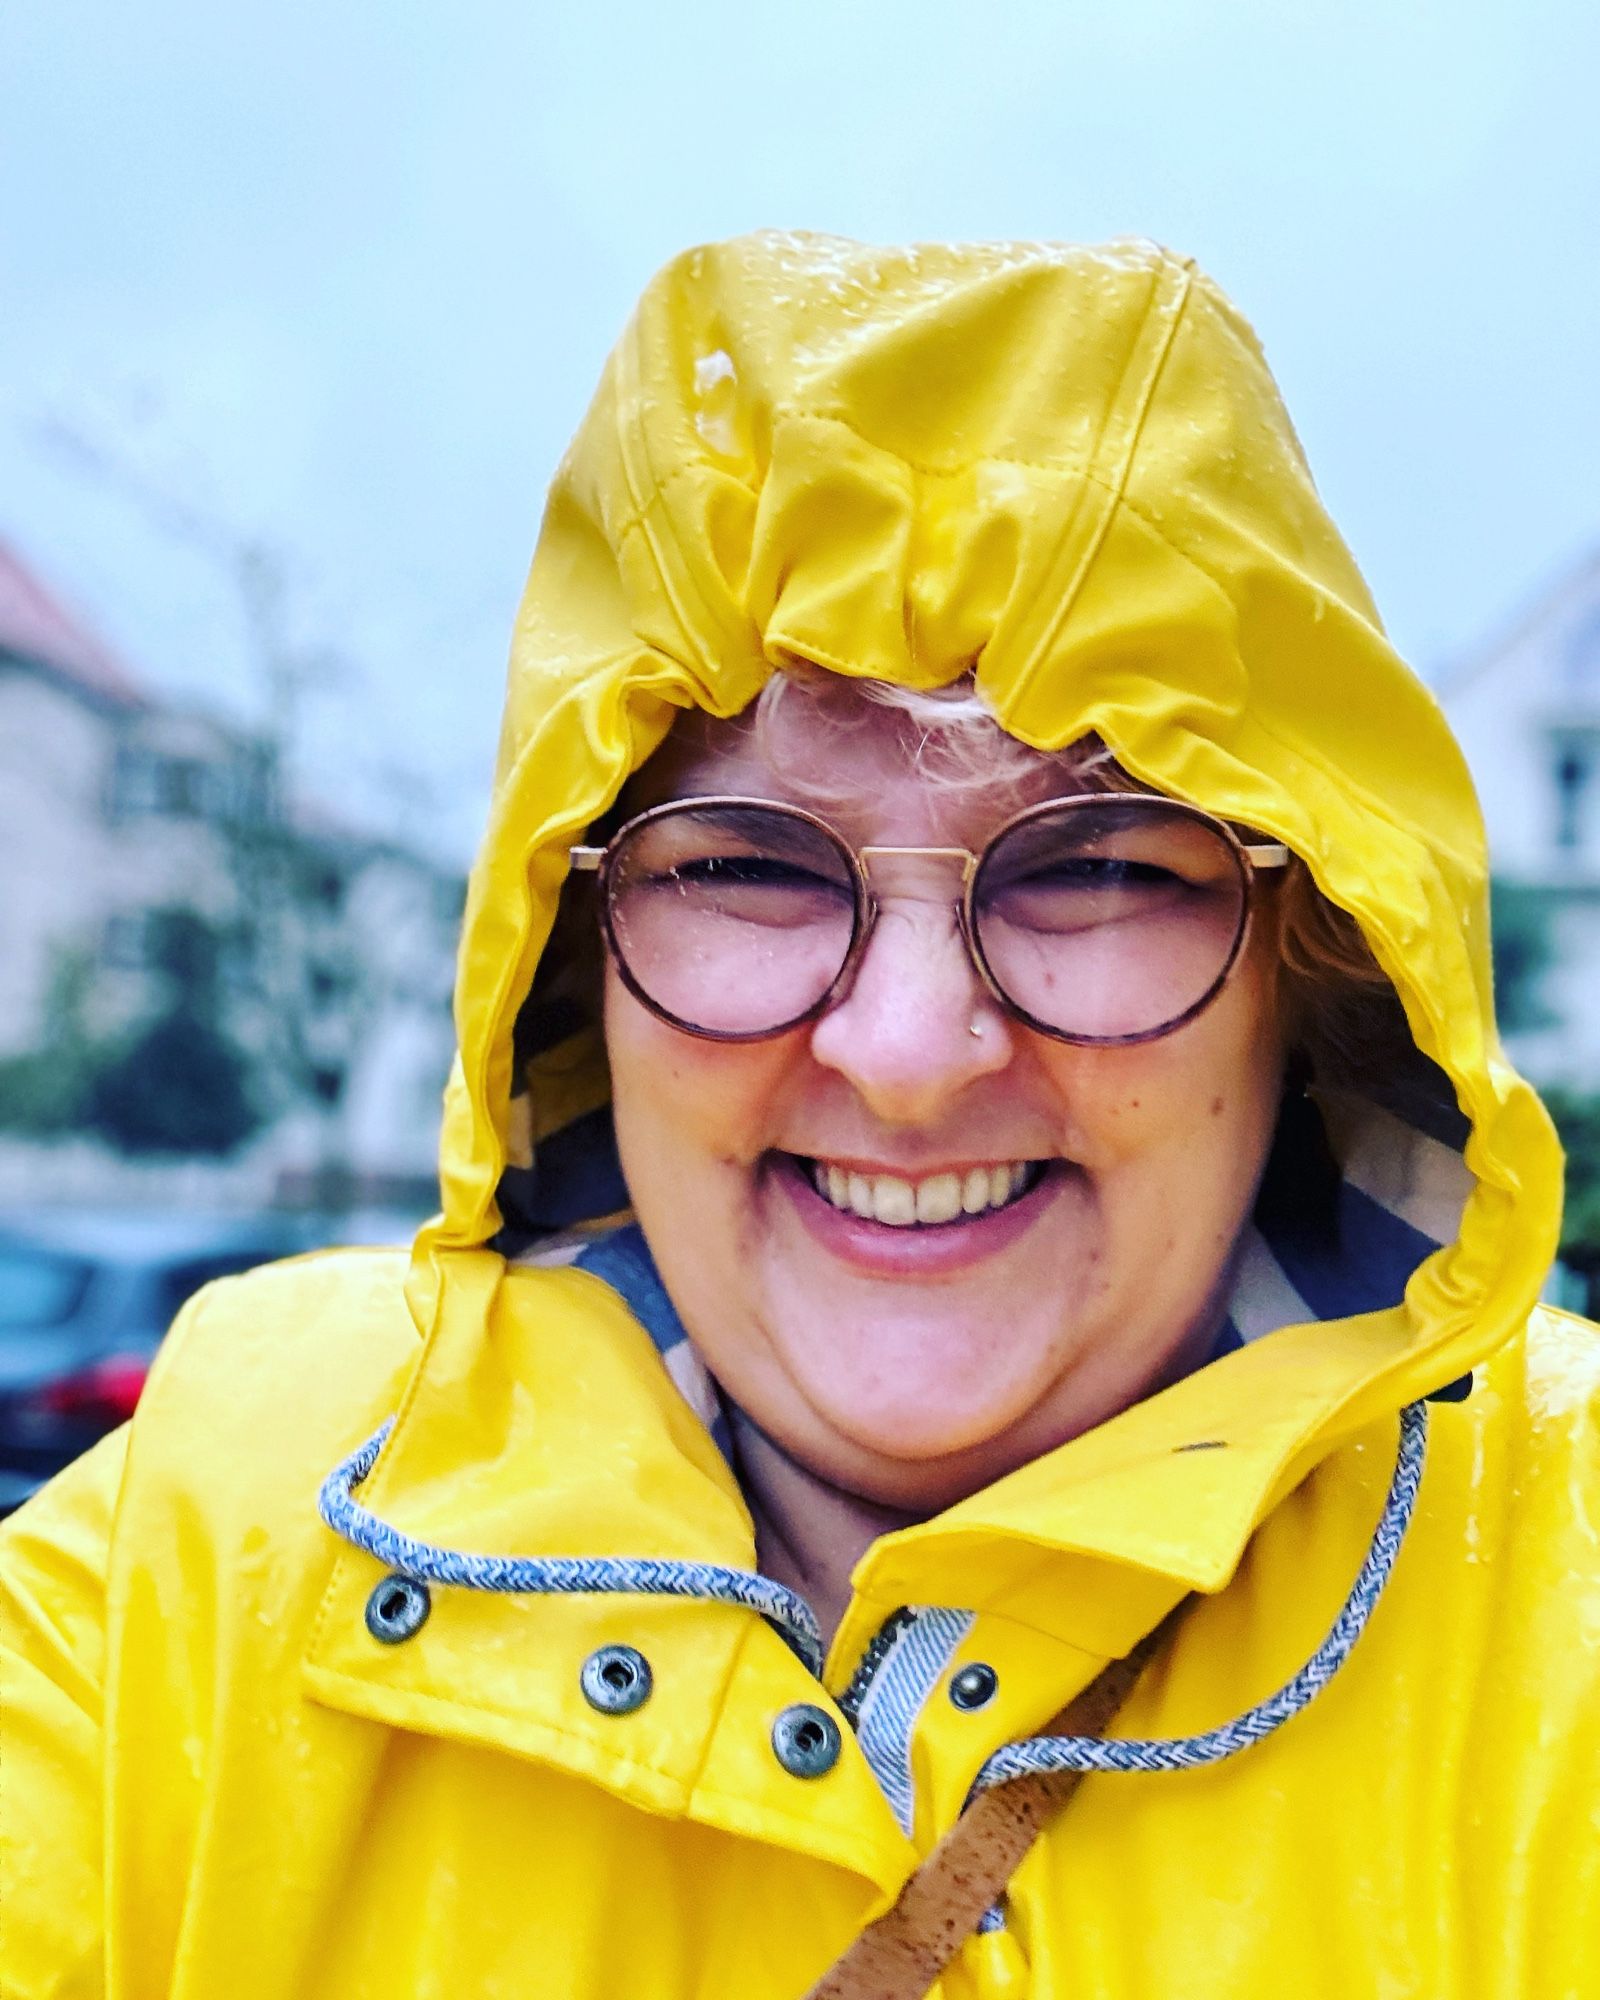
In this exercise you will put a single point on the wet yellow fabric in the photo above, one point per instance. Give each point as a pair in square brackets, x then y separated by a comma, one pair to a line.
[1070, 471]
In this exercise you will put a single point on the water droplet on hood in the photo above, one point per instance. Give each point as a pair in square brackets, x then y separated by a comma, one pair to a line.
[713, 368]
[716, 385]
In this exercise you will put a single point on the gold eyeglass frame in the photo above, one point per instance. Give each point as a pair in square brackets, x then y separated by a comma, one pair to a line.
[1250, 858]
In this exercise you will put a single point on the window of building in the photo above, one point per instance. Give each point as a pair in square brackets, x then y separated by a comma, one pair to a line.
[327, 888]
[327, 1082]
[134, 783]
[236, 963]
[147, 781]
[1573, 771]
[125, 941]
[184, 787]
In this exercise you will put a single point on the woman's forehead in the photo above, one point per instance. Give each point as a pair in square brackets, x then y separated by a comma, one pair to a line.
[858, 763]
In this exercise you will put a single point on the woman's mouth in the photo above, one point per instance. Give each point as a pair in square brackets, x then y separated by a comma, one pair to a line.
[903, 1226]
[929, 1201]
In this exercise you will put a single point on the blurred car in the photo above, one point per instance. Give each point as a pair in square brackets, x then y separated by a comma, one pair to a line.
[84, 1303]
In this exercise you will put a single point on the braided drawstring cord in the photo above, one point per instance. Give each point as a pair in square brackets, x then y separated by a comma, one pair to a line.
[1187, 1753]
[644, 1575]
[792, 1616]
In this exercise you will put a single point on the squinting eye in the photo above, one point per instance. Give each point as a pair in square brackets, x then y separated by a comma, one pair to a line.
[755, 870]
[1094, 871]
[1087, 874]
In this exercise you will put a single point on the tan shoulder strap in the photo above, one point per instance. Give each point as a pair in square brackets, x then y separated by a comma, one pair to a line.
[902, 1954]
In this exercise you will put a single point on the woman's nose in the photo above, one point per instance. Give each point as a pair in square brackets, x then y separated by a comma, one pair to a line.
[918, 1025]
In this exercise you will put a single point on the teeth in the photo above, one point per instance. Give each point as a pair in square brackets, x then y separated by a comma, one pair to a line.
[893, 1201]
[940, 1198]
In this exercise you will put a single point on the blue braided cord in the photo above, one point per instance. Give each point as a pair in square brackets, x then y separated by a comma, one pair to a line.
[1187, 1753]
[646, 1575]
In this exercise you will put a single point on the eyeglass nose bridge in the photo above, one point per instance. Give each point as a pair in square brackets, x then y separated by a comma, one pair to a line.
[870, 909]
[965, 855]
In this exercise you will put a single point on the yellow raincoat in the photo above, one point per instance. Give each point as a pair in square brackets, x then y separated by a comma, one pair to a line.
[1070, 469]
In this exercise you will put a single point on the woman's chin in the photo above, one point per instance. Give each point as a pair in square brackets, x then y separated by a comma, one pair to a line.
[922, 1418]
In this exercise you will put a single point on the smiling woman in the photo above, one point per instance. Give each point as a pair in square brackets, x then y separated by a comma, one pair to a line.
[979, 1141]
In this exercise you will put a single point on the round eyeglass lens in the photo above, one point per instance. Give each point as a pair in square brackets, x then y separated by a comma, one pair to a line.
[731, 919]
[1109, 922]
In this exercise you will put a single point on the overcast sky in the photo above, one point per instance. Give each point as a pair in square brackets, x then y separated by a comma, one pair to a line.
[341, 277]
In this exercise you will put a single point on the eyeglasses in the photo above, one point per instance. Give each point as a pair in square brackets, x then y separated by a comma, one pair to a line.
[1104, 918]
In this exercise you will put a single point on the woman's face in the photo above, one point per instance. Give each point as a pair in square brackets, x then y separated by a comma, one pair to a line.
[914, 1365]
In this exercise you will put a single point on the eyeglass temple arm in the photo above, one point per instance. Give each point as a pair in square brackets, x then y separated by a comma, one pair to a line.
[1271, 854]
[585, 860]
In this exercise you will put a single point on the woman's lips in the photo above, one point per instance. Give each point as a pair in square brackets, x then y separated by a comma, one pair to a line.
[925, 1251]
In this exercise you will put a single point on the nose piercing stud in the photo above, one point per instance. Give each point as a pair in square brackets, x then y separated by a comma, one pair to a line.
[974, 1027]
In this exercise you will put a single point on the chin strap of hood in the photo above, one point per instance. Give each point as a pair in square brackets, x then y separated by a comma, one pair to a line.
[422, 1563]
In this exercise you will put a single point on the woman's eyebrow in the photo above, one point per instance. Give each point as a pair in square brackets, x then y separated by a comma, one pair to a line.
[778, 831]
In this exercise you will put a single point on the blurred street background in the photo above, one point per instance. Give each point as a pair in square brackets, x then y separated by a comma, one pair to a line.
[298, 308]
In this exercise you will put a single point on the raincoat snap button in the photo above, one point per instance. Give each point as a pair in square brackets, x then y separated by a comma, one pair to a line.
[974, 1686]
[616, 1680]
[806, 1740]
[397, 1609]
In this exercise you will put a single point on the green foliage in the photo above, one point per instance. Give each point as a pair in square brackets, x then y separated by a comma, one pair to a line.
[44, 1092]
[177, 1086]
[1578, 1121]
[185, 949]
[1523, 951]
[38, 1097]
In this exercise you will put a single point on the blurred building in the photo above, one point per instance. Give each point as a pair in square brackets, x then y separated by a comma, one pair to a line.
[1527, 711]
[148, 854]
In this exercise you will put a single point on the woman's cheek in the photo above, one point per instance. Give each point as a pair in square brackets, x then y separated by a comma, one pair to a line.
[681, 1103]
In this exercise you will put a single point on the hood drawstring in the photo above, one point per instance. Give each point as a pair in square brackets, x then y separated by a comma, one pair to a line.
[794, 1621]
[1187, 1753]
[650, 1576]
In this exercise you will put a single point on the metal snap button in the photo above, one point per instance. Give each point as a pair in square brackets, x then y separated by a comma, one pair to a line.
[397, 1609]
[975, 1686]
[616, 1680]
[805, 1739]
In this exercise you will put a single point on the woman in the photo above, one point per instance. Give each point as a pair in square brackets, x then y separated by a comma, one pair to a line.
[969, 874]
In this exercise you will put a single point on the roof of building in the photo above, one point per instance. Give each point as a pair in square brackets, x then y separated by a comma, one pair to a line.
[36, 626]
[1571, 595]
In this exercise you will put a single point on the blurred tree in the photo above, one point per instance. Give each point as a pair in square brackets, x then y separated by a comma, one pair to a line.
[177, 1083]
[178, 1086]
[276, 882]
[1577, 1117]
[1523, 953]
[44, 1092]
